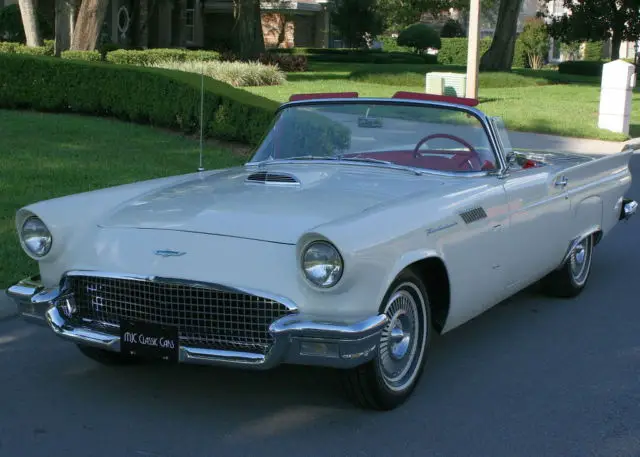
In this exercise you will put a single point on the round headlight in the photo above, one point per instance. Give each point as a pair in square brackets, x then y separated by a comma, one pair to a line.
[36, 236]
[322, 264]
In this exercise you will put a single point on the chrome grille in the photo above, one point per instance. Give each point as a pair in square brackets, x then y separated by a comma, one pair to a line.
[205, 317]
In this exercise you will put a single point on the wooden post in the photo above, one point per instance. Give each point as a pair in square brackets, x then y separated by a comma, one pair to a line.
[473, 58]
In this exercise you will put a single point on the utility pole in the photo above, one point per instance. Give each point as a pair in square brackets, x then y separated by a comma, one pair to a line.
[473, 59]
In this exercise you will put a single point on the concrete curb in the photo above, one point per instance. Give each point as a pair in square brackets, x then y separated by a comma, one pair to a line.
[7, 306]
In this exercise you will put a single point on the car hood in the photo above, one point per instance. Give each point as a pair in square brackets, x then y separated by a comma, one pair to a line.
[225, 203]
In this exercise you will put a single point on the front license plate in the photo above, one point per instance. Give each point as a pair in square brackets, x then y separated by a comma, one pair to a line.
[152, 341]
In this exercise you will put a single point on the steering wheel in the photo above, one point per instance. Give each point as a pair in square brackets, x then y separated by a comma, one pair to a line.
[468, 155]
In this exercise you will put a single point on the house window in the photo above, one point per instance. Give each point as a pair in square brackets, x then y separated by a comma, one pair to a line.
[190, 17]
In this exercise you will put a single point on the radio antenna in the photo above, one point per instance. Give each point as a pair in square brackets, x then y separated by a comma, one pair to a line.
[200, 167]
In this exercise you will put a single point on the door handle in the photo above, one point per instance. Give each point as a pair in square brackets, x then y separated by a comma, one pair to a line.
[562, 182]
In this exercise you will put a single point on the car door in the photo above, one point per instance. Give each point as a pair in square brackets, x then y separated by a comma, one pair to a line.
[539, 208]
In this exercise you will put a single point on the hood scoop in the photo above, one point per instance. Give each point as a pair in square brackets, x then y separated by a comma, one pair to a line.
[281, 179]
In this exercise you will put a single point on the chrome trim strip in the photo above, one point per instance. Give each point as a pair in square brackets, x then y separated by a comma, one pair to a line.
[289, 304]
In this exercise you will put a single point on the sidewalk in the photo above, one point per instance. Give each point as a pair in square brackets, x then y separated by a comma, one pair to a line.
[7, 307]
[522, 140]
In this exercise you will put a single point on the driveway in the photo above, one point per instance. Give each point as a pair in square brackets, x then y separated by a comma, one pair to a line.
[531, 377]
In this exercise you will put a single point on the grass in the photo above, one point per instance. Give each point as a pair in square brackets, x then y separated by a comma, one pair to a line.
[542, 101]
[51, 155]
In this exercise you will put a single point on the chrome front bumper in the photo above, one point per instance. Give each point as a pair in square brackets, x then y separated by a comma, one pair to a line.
[296, 340]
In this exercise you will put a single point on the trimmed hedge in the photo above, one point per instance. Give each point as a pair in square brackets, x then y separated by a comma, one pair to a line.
[347, 55]
[91, 56]
[155, 55]
[159, 97]
[8, 47]
[454, 52]
[581, 67]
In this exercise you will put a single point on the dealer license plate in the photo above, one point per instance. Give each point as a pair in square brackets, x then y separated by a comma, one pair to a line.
[152, 341]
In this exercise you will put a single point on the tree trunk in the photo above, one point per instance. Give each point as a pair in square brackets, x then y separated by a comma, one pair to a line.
[64, 25]
[616, 41]
[499, 57]
[248, 29]
[30, 22]
[90, 19]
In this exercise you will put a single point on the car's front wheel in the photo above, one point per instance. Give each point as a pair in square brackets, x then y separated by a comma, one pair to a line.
[388, 380]
[571, 278]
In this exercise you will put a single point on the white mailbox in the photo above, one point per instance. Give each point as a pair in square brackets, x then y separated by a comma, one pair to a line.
[618, 81]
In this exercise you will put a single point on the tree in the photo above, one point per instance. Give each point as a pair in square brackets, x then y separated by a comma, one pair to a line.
[64, 24]
[499, 56]
[249, 40]
[30, 22]
[452, 29]
[87, 28]
[535, 41]
[595, 20]
[356, 20]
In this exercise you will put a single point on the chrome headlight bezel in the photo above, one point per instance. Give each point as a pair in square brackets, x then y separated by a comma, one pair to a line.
[333, 265]
[35, 237]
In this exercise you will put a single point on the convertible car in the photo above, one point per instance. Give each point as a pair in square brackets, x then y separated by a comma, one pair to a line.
[337, 244]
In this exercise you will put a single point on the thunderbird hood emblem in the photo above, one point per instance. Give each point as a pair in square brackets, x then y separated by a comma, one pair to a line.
[169, 253]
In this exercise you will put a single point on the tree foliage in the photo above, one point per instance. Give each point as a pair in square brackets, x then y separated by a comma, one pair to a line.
[452, 29]
[535, 41]
[419, 36]
[358, 21]
[595, 20]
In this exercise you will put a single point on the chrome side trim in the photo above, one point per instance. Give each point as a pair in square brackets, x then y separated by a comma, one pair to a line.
[289, 304]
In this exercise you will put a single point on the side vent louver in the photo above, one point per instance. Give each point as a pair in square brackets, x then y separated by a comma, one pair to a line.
[263, 177]
[473, 215]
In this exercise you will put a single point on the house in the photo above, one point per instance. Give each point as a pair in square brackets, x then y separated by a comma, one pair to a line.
[208, 23]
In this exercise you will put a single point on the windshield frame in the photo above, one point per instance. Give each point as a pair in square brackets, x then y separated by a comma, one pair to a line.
[485, 122]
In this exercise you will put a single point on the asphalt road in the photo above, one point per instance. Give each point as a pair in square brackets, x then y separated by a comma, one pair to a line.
[531, 377]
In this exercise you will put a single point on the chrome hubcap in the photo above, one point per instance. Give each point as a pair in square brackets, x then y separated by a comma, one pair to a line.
[580, 260]
[399, 349]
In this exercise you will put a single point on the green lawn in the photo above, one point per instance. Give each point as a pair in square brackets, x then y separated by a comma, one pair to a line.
[536, 101]
[51, 155]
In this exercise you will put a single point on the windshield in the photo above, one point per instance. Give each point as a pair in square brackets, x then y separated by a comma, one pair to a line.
[420, 136]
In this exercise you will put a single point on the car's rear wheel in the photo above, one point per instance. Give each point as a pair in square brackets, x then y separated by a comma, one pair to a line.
[106, 357]
[572, 277]
[388, 380]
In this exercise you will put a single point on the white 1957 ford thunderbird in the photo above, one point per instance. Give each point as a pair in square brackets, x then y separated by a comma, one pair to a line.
[358, 229]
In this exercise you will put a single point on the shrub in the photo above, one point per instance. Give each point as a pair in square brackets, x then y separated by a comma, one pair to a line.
[159, 97]
[581, 67]
[237, 74]
[593, 50]
[288, 63]
[153, 56]
[452, 29]
[19, 48]
[419, 36]
[454, 50]
[535, 42]
[92, 56]
[347, 55]
[520, 59]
